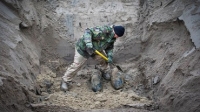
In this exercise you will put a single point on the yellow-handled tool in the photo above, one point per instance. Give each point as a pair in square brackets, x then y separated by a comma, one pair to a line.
[104, 57]
[101, 55]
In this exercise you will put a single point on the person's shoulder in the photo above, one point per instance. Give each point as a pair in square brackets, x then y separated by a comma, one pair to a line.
[107, 27]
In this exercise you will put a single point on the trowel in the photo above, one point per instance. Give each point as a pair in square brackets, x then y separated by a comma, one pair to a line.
[104, 57]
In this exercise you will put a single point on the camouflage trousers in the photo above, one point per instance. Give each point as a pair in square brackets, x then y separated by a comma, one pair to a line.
[79, 61]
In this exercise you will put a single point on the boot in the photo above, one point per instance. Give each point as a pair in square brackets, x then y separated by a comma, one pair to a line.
[64, 86]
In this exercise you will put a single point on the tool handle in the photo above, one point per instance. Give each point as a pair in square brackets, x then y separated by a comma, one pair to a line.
[101, 55]
[107, 60]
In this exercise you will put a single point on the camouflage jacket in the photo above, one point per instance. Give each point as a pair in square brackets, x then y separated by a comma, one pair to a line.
[102, 38]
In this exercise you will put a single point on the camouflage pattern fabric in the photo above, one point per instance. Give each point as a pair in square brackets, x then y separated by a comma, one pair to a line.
[101, 39]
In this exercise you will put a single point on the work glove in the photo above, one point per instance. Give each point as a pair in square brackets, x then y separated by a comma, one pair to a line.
[89, 49]
[110, 59]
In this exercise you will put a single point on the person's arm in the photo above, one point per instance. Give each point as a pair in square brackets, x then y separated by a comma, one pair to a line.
[87, 37]
[109, 52]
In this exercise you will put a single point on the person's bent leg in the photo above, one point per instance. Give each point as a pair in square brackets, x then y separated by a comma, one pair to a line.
[79, 60]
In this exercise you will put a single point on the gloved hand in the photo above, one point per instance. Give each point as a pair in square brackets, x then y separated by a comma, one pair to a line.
[89, 49]
[110, 59]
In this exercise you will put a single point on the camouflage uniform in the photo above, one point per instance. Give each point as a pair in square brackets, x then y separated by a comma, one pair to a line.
[101, 39]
